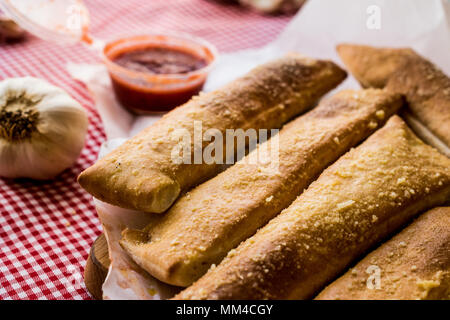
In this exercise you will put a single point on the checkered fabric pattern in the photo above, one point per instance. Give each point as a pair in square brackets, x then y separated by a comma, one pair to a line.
[47, 228]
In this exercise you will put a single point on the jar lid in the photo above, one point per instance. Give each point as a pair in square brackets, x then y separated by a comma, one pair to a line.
[62, 21]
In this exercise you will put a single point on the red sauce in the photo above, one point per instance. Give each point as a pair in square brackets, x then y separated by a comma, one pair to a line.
[160, 61]
[142, 96]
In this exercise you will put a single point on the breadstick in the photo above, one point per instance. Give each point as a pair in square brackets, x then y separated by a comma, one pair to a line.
[203, 225]
[427, 89]
[415, 264]
[355, 203]
[141, 174]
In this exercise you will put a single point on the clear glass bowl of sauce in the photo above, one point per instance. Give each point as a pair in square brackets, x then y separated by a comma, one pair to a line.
[149, 73]
[156, 73]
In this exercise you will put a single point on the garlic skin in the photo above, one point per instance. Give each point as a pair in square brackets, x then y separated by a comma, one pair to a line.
[42, 129]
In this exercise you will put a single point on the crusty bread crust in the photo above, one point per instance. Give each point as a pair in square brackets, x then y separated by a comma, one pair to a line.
[355, 203]
[203, 225]
[415, 264]
[424, 133]
[427, 91]
[373, 67]
[426, 87]
[141, 175]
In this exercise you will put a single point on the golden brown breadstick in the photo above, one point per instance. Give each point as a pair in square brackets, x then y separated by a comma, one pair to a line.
[371, 66]
[141, 175]
[356, 202]
[427, 89]
[203, 225]
[415, 264]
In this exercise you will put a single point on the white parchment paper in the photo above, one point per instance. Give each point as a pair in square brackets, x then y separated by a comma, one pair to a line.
[315, 31]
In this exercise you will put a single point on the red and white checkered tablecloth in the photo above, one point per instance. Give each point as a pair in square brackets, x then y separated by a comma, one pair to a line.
[47, 228]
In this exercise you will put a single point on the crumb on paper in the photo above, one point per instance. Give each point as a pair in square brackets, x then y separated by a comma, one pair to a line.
[152, 291]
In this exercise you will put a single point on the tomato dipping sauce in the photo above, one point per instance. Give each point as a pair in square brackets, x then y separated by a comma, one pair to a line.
[156, 73]
[160, 61]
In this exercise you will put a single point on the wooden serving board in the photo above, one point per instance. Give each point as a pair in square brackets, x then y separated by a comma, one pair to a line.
[97, 266]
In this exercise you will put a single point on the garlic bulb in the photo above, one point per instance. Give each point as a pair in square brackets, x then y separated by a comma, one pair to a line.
[42, 129]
